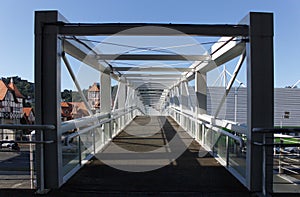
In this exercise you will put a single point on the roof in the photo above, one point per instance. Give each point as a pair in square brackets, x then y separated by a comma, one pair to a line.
[27, 110]
[94, 88]
[13, 87]
[73, 108]
[3, 90]
[79, 107]
[64, 104]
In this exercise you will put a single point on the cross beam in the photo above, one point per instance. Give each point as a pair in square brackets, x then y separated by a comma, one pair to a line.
[84, 29]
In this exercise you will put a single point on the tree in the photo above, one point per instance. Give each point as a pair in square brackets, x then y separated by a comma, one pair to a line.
[66, 95]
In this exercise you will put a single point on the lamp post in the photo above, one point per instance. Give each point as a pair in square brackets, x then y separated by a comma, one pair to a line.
[235, 100]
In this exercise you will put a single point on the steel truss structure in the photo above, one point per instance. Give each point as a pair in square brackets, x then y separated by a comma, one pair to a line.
[52, 42]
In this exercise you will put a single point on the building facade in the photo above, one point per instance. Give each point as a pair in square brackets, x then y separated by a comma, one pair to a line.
[11, 108]
[94, 97]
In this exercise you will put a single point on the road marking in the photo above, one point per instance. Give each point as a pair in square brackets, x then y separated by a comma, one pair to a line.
[288, 180]
[16, 185]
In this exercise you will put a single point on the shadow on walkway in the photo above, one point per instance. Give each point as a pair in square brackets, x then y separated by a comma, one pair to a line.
[188, 175]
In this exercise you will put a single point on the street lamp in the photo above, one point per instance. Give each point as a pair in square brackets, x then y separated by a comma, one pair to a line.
[235, 100]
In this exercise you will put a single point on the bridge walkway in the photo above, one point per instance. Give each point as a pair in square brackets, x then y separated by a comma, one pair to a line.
[188, 175]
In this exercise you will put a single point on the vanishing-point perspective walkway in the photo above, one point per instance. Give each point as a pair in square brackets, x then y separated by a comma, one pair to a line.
[188, 175]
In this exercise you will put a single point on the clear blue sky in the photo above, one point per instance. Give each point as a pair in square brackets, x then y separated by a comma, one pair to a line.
[17, 37]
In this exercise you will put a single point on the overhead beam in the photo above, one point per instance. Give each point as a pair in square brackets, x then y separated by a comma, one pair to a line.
[82, 54]
[152, 69]
[157, 80]
[151, 95]
[144, 76]
[232, 52]
[222, 58]
[84, 29]
[152, 90]
[144, 79]
[153, 57]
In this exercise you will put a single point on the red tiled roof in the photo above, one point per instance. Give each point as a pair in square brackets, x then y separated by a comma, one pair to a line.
[95, 88]
[27, 110]
[79, 107]
[13, 87]
[3, 90]
[64, 104]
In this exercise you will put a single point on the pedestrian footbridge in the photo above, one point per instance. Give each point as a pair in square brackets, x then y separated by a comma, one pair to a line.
[158, 125]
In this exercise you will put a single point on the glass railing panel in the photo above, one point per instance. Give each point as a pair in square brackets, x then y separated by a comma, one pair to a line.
[70, 154]
[220, 146]
[237, 157]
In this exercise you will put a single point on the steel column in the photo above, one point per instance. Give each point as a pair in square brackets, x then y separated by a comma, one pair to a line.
[105, 100]
[122, 95]
[201, 92]
[260, 105]
[184, 96]
[47, 93]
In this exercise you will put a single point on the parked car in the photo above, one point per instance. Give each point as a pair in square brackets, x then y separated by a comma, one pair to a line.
[292, 149]
[12, 145]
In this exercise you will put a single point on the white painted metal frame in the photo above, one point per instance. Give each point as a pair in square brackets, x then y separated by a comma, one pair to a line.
[53, 37]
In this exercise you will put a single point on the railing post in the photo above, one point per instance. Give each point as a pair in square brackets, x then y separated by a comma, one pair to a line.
[79, 150]
[227, 151]
[280, 170]
[94, 141]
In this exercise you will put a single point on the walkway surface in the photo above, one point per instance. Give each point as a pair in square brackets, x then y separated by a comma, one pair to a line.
[135, 150]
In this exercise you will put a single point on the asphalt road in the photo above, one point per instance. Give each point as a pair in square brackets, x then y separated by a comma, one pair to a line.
[14, 169]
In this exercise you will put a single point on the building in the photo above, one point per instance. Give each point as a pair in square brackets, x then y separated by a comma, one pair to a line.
[73, 110]
[28, 115]
[66, 111]
[286, 101]
[11, 108]
[94, 97]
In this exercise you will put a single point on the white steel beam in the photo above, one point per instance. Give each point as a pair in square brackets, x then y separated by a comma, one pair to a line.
[229, 85]
[221, 53]
[105, 93]
[152, 75]
[81, 53]
[152, 69]
[69, 68]
[201, 92]
[152, 57]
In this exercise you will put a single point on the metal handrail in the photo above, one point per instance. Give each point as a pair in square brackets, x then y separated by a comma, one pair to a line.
[237, 128]
[276, 130]
[27, 142]
[281, 164]
[226, 133]
[213, 127]
[80, 122]
[85, 130]
[21, 127]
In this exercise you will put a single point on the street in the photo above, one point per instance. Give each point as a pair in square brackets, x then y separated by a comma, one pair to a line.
[14, 168]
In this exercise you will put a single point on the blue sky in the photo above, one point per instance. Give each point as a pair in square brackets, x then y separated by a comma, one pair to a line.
[17, 25]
